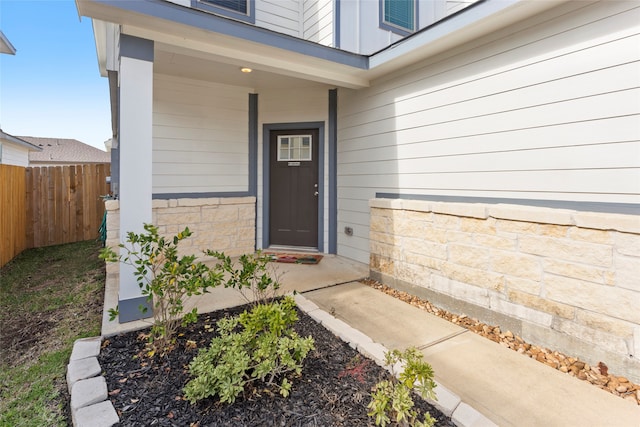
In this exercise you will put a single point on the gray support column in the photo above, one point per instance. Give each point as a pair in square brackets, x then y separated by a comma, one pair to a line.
[135, 150]
[333, 171]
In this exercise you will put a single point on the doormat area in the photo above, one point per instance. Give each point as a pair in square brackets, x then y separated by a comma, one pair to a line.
[295, 258]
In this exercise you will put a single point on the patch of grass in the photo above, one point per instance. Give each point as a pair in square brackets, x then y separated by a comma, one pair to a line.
[49, 297]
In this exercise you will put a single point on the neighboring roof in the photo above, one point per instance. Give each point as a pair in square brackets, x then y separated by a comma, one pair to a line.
[5, 45]
[10, 138]
[60, 150]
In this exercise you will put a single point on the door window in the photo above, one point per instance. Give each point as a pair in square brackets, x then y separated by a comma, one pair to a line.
[294, 148]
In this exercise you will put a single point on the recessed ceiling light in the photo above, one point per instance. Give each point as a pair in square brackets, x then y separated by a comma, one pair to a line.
[246, 70]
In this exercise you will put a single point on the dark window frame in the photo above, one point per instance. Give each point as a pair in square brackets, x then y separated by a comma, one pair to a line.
[218, 7]
[394, 27]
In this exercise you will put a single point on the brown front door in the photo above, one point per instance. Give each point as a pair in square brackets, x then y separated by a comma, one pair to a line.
[293, 188]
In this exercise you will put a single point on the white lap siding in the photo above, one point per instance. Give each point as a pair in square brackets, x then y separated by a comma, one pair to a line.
[200, 136]
[546, 109]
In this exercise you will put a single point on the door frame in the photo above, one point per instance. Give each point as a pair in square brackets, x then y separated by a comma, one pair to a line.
[266, 175]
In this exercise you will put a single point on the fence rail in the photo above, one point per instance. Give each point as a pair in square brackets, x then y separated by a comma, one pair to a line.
[60, 204]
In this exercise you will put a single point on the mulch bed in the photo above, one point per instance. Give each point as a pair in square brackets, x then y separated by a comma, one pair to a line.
[332, 391]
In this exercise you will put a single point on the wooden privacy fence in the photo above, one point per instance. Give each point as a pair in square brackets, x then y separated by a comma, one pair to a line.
[60, 204]
[13, 224]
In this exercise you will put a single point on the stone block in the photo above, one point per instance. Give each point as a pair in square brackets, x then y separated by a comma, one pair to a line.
[86, 347]
[385, 203]
[471, 256]
[523, 285]
[247, 213]
[475, 225]
[82, 369]
[607, 221]
[574, 270]
[381, 224]
[537, 303]
[412, 273]
[515, 264]
[112, 205]
[605, 323]
[159, 204]
[627, 244]
[568, 250]
[590, 235]
[612, 301]
[250, 200]
[410, 228]
[173, 203]
[553, 230]
[388, 239]
[472, 210]
[627, 272]
[419, 246]
[101, 414]
[448, 222]
[416, 205]
[208, 201]
[447, 401]
[517, 227]
[520, 311]
[532, 214]
[436, 235]
[87, 392]
[423, 260]
[466, 416]
[473, 276]
[454, 236]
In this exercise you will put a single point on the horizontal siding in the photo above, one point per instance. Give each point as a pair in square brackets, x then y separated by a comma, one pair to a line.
[200, 136]
[547, 109]
[318, 21]
[14, 155]
[283, 16]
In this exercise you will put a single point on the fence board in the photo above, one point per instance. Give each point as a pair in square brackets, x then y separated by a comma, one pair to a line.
[12, 212]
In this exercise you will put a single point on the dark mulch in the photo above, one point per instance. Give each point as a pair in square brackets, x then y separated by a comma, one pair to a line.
[333, 390]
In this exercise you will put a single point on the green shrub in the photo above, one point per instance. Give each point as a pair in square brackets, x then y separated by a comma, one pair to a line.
[392, 399]
[251, 279]
[165, 279]
[256, 345]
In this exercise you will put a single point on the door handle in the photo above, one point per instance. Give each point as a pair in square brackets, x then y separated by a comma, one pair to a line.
[315, 193]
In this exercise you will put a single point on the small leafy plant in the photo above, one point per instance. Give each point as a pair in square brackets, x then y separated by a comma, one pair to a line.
[251, 278]
[256, 345]
[392, 400]
[165, 279]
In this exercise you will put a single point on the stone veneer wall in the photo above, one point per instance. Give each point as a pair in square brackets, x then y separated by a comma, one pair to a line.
[565, 279]
[224, 224]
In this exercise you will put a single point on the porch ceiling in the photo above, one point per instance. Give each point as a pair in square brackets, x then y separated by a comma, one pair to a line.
[201, 66]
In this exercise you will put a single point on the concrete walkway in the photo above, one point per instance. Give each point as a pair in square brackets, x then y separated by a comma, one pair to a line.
[507, 388]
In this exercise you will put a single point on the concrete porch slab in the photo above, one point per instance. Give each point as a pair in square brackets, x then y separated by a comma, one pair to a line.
[365, 309]
[331, 270]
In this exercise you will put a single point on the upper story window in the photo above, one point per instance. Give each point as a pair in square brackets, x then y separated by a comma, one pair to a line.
[238, 9]
[398, 16]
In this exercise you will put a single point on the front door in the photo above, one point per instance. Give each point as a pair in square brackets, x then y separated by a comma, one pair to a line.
[293, 188]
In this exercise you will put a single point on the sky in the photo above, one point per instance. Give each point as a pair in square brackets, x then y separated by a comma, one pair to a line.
[52, 86]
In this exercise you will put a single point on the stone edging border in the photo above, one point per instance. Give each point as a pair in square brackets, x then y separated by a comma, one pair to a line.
[90, 406]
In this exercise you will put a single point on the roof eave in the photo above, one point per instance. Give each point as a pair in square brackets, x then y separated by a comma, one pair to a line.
[18, 141]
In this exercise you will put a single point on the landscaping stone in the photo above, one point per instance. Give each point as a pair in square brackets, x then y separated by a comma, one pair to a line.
[88, 392]
[101, 414]
[82, 369]
[85, 348]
